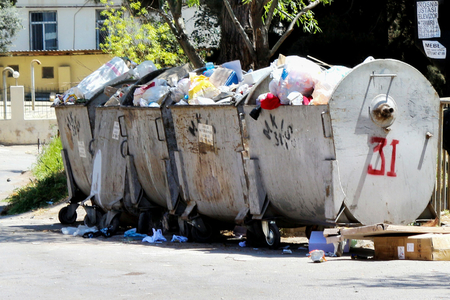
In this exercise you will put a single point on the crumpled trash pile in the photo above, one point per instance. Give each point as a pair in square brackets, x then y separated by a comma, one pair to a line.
[92, 232]
[115, 70]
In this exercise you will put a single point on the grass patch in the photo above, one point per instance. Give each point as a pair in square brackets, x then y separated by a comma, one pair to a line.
[48, 186]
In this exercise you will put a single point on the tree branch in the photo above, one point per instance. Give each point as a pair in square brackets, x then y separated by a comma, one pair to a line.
[291, 26]
[270, 14]
[168, 20]
[241, 30]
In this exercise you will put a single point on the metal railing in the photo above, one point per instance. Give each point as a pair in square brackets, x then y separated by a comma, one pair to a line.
[441, 197]
[3, 104]
[42, 108]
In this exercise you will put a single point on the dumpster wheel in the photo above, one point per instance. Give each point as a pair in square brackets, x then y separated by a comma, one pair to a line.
[273, 237]
[257, 238]
[202, 237]
[64, 217]
[90, 223]
[113, 226]
[144, 222]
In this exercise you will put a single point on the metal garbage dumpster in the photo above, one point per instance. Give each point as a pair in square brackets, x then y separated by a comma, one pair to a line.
[76, 123]
[210, 166]
[366, 157]
[149, 154]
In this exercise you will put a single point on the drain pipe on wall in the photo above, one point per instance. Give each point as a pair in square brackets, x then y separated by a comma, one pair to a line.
[33, 92]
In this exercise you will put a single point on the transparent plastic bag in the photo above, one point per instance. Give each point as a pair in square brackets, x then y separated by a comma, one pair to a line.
[298, 75]
[145, 68]
[96, 80]
[317, 256]
[327, 82]
[154, 91]
[181, 91]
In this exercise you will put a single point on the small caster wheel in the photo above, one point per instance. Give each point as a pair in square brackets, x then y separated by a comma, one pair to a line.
[64, 217]
[91, 223]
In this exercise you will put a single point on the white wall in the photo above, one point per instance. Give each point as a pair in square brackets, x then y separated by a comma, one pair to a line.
[17, 130]
[75, 21]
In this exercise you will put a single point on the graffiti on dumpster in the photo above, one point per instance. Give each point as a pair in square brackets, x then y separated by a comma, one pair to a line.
[280, 133]
[193, 128]
[204, 132]
[381, 143]
[73, 124]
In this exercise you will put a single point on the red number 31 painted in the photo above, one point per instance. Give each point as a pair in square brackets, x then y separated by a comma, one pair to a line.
[379, 148]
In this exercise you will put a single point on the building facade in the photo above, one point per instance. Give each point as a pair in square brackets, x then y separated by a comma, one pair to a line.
[63, 36]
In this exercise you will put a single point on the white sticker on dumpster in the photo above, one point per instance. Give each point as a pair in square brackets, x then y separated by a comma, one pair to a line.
[401, 252]
[434, 49]
[427, 19]
[81, 149]
[206, 134]
[116, 130]
[410, 247]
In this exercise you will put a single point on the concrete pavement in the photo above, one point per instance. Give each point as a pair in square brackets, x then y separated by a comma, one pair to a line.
[15, 161]
[39, 262]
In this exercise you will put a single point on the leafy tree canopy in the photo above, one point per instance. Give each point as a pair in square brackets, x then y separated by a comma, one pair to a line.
[10, 24]
[138, 36]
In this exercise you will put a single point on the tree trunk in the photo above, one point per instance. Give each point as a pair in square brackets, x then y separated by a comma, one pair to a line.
[181, 34]
[261, 35]
[232, 45]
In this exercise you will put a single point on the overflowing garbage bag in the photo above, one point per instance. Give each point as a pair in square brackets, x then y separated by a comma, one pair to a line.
[114, 71]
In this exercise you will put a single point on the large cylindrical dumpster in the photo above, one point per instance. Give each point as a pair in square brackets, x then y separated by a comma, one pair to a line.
[368, 156]
[150, 144]
[76, 135]
[76, 123]
[210, 162]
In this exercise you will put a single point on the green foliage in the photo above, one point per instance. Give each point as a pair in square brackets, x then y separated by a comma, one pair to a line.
[49, 161]
[49, 185]
[286, 11]
[10, 24]
[139, 37]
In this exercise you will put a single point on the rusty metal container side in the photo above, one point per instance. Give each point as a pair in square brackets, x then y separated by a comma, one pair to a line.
[210, 161]
[387, 163]
[109, 166]
[336, 164]
[146, 141]
[296, 162]
[151, 142]
[76, 134]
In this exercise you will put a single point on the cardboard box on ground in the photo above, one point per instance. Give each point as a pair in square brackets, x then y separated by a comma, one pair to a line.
[415, 247]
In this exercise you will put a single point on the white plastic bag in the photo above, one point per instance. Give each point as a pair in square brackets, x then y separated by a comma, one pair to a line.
[80, 230]
[145, 68]
[201, 101]
[95, 81]
[179, 238]
[298, 75]
[156, 237]
[181, 91]
[154, 91]
[72, 95]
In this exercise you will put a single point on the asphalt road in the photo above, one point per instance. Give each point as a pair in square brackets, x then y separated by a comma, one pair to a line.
[39, 262]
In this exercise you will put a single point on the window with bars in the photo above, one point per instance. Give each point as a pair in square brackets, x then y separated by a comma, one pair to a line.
[43, 31]
[100, 33]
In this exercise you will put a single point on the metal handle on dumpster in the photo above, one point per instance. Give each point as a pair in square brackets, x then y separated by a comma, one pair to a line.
[121, 148]
[323, 126]
[157, 130]
[120, 127]
[90, 148]
[383, 75]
